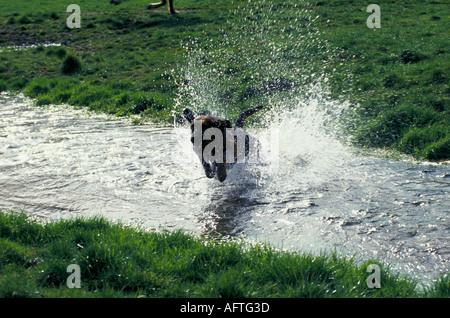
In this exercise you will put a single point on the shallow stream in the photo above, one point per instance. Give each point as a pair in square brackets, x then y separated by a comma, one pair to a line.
[312, 193]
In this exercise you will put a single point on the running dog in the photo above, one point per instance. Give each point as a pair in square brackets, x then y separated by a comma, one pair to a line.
[219, 145]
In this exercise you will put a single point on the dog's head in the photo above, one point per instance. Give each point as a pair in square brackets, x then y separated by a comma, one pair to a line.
[207, 121]
[202, 123]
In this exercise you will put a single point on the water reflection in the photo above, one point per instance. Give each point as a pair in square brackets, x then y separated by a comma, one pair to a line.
[228, 211]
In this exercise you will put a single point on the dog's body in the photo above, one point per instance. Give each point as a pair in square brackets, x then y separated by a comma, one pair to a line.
[234, 144]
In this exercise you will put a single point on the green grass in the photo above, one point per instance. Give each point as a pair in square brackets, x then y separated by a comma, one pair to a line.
[224, 56]
[396, 76]
[116, 260]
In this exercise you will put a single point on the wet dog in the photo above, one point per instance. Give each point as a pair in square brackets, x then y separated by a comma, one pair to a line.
[219, 145]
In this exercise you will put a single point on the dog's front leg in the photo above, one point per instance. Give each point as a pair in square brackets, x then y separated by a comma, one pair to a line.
[221, 172]
[210, 169]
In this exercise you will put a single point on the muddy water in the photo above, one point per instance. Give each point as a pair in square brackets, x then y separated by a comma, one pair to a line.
[311, 194]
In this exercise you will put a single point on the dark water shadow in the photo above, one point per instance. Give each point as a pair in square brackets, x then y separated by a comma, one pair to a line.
[231, 203]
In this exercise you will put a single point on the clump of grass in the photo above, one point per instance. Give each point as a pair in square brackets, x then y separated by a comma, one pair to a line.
[3, 86]
[438, 77]
[54, 15]
[430, 141]
[438, 150]
[408, 56]
[18, 83]
[391, 125]
[116, 260]
[56, 51]
[71, 64]
[25, 20]
[41, 85]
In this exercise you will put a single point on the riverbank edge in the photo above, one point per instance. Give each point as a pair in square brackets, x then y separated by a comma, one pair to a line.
[41, 259]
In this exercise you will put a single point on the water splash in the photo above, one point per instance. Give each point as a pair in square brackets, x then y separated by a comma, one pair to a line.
[251, 61]
[313, 191]
[263, 61]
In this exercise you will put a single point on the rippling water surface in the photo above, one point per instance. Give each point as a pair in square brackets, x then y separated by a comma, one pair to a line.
[312, 193]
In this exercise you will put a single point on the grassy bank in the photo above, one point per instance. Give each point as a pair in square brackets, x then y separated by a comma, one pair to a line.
[119, 261]
[127, 60]
[396, 76]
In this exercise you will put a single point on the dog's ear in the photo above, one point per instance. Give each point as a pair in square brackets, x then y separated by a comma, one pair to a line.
[246, 114]
[189, 115]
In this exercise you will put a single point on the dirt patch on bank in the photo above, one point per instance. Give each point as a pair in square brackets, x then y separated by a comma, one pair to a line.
[14, 36]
